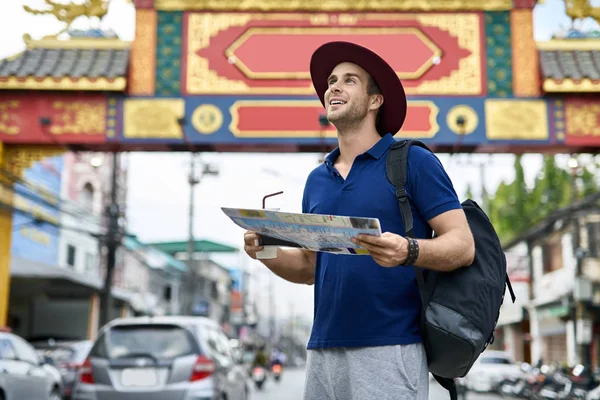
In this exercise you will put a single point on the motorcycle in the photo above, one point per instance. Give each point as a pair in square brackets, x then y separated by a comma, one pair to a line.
[277, 370]
[259, 376]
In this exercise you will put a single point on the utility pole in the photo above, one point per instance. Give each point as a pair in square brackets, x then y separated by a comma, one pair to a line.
[193, 180]
[484, 194]
[113, 240]
[271, 308]
[583, 348]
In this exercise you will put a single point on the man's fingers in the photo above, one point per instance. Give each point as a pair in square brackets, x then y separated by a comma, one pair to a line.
[368, 244]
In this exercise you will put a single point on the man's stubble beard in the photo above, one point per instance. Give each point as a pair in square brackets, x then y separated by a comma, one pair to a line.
[349, 118]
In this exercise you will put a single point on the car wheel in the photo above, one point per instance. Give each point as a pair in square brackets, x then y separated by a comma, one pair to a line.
[55, 394]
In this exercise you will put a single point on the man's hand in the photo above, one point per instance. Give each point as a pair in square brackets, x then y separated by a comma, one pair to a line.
[388, 250]
[250, 244]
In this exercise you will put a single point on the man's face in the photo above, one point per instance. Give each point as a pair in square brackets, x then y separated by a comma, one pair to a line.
[346, 99]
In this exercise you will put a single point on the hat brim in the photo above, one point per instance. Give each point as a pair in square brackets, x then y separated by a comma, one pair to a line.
[393, 111]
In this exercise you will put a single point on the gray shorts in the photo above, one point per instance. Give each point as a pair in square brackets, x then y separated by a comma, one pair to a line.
[365, 373]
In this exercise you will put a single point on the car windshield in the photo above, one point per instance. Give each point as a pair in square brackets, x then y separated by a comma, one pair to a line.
[495, 360]
[157, 341]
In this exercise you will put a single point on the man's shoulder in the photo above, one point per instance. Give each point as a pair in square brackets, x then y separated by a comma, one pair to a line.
[416, 154]
[317, 171]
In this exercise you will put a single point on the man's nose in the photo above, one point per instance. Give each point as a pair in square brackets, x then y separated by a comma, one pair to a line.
[335, 88]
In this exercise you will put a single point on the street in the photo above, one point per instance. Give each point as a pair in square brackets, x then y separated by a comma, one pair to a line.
[291, 387]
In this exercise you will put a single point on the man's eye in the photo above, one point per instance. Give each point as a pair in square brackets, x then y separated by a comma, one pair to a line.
[350, 80]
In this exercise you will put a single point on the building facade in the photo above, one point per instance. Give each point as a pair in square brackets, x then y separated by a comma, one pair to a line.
[560, 320]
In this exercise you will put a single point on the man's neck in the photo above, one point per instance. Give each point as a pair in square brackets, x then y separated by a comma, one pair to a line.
[353, 142]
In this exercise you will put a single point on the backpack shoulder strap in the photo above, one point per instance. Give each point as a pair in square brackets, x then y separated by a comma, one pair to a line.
[396, 171]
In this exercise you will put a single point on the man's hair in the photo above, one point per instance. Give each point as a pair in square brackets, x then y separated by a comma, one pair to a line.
[373, 88]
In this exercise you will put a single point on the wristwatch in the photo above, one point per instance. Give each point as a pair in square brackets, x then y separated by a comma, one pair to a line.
[413, 252]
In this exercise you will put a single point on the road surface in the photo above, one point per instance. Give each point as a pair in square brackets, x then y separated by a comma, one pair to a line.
[291, 387]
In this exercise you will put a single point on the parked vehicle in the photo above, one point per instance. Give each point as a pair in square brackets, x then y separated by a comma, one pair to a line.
[161, 358]
[491, 369]
[66, 356]
[24, 374]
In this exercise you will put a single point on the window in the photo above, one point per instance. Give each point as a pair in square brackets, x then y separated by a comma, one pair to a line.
[495, 360]
[7, 351]
[593, 231]
[90, 260]
[167, 293]
[71, 255]
[86, 196]
[552, 255]
[25, 351]
[158, 341]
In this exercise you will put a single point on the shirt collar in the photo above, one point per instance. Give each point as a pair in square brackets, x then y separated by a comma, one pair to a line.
[381, 146]
[376, 151]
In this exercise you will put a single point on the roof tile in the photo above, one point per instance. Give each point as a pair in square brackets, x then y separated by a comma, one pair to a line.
[59, 63]
[574, 65]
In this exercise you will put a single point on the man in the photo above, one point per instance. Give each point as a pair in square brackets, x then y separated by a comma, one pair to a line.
[365, 341]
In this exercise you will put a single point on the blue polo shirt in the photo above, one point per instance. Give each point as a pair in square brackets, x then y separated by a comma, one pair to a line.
[358, 302]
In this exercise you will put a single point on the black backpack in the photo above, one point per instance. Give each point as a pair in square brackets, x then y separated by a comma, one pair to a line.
[460, 308]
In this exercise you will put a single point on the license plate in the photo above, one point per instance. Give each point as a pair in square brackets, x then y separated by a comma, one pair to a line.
[139, 377]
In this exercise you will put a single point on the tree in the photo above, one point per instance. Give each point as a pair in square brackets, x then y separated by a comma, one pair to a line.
[469, 193]
[514, 208]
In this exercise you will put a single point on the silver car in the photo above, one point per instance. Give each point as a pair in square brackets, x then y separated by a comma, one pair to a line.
[161, 358]
[23, 374]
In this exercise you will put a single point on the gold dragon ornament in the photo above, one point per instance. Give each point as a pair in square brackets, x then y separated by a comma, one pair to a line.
[579, 9]
[68, 13]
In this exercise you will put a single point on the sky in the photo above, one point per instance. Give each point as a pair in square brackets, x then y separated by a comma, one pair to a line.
[158, 193]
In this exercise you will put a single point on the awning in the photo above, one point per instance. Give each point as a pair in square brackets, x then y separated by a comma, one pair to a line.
[27, 269]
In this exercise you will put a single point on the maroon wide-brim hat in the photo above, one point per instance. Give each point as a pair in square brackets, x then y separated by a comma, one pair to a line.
[329, 55]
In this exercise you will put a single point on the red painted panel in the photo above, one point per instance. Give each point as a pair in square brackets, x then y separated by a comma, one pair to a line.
[582, 122]
[293, 50]
[45, 118]
[255, 118]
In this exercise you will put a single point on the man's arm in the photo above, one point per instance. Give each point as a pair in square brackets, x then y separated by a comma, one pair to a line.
[294, 265]
[453, 247]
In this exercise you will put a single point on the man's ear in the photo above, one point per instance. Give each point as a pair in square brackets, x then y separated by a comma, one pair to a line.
[376, 102]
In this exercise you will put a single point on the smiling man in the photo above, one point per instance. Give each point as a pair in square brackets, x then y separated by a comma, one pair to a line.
[365, 342]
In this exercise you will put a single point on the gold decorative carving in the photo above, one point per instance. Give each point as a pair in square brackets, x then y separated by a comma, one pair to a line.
[582, 119]
[333, 5]
[76, 43]
[470, 118]
[467, 79]
[153, 118]
[203, 26]
[49, 83]
[207, 119]
[579, 9]
[6, 121]
[569, 85]
[516, 119]
[200, 79]
[282, 31]
[142, 78]
[525, 67]
[17, 159]
[569, 45]
[68, 13]
[79, 118]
